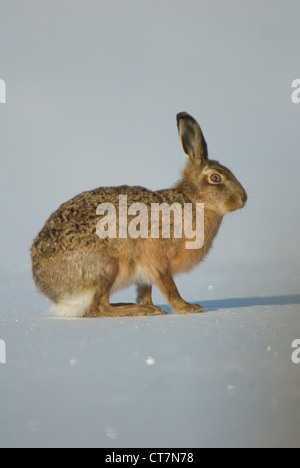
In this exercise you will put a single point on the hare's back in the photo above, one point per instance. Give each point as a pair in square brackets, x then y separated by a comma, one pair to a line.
[74, 223]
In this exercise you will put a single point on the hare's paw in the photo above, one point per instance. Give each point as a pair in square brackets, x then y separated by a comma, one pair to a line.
[124, 310]
[190, 309]
[151, 310]
[136, 310]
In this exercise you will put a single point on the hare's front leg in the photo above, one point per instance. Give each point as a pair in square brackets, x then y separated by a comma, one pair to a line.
[144, 295]
[167, 286]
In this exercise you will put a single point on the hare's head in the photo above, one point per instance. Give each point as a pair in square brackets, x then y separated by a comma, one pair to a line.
[204, 180]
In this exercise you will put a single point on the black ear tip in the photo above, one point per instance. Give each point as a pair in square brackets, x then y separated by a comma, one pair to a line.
[182, 115]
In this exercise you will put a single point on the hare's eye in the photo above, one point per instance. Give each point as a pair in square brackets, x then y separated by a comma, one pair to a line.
[216, 178]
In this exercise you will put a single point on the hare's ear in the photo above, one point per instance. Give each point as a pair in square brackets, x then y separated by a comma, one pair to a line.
[191, 137]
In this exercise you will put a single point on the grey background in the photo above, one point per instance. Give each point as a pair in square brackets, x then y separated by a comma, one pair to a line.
[93, 89]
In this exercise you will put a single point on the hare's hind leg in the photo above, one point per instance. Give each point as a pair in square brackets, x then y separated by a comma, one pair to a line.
[101, 307]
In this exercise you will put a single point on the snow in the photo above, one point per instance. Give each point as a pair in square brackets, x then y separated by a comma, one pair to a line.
[223, 378]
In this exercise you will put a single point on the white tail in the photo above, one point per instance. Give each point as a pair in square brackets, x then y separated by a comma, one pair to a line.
[75, 306]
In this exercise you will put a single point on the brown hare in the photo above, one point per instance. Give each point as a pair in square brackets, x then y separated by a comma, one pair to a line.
[78, 270]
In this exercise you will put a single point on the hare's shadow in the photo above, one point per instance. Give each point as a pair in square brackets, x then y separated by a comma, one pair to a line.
[236, 303]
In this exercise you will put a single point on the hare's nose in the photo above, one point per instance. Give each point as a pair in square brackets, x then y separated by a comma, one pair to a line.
[244, 198]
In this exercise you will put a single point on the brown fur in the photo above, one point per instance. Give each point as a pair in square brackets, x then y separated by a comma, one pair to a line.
[70, 260]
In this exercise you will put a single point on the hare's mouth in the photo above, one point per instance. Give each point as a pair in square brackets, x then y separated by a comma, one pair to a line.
[236, 202]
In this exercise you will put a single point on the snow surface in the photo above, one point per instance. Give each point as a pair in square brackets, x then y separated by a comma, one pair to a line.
[223, 378]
